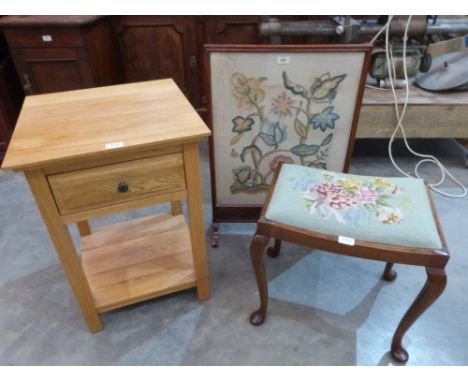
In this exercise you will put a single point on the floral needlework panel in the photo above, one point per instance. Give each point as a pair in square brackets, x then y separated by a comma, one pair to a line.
[265, 113]
[392, 211]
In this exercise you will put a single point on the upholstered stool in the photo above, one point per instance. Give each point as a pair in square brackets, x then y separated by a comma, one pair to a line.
[387, 219]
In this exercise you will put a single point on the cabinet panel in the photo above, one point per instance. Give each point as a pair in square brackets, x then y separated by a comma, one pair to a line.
[11, 97]
[60, 53]
[155, 47]
[52, 70]
[44, 37]
[154, 52]
[234, 30]
[65, 73]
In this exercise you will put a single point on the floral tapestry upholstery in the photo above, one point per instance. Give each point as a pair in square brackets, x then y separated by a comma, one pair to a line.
[393, 211]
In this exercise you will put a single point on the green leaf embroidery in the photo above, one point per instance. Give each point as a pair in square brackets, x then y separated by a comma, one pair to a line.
[256, 152]
[295, 88]
[325, 87]
[300, 128]
[327, 140]
[303, 150]
[242, 173]
[241, 124]
[236, 138]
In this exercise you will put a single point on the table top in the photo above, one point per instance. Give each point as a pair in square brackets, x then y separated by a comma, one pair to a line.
[76, 124]
[40, 21]
[417, 96]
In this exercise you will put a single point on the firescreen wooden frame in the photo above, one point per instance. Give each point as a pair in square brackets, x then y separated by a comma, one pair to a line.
[251, 213]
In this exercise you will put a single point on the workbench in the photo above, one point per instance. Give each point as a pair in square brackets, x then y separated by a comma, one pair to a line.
[428, 115]
[101, 151]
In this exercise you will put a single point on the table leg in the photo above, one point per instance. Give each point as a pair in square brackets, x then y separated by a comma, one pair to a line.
[197, 227]
[433, 288]
[84, 228]
[389, 273]
[214, 235]
[257, 249]
[176, 207]
[275, 250]
[65, 249]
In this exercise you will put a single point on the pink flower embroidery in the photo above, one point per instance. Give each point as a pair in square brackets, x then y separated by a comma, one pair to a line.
[335, 196]
[340, 197]
[367, 195]
[342, 201]
[325, 189]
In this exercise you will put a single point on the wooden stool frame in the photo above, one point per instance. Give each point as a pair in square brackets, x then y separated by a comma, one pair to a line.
[433, 260]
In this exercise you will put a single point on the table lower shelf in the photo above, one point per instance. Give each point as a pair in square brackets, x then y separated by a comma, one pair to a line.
[137, 260]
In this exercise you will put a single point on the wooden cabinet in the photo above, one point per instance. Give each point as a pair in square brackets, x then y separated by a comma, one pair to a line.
[234, 30]
[155, 47]
[11, 97]
[57, 53]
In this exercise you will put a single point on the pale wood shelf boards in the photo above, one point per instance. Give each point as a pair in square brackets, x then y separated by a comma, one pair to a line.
[137, 260]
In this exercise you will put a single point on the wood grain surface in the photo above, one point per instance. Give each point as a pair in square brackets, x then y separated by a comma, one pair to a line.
[66, 251]
[417, 96]
[137, 260]
[57, 127]
[197, 228]
[99, 186]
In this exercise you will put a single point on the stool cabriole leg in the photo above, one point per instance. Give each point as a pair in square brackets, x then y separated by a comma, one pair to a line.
[274, 251]
[214, 235]
[389, 274]
[432, 289]
[257, 249]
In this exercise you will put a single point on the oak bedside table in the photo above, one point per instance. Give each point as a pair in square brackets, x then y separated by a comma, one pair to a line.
[94, 152]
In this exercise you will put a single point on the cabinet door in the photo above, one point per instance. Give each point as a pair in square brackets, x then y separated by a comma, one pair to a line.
[155, 47]
[52, 70]
[234, 30]
[4, 133]
[11, 98]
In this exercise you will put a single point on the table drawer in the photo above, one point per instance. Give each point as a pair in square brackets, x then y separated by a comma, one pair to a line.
[43, 37]
[116, 183]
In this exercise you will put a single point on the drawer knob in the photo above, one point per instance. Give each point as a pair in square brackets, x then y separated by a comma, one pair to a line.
[122, 187]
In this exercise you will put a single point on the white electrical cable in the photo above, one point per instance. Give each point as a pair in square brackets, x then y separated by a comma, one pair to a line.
[381, 30]
[400, 116]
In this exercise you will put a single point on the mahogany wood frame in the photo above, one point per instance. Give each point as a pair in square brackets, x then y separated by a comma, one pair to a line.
[434, 262]
[243, 213]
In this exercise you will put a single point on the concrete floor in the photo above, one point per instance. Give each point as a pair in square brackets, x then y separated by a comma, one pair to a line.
[325, 309]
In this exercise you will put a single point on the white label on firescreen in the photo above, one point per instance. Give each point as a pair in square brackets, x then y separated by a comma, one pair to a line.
[283, 60]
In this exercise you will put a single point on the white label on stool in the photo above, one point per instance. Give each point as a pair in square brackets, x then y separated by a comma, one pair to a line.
[345, 240]
[282, 60]
[114, 145]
